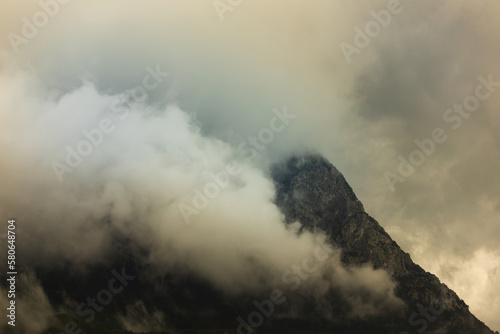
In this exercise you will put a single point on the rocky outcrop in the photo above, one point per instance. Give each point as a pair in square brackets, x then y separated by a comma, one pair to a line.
[312, 191]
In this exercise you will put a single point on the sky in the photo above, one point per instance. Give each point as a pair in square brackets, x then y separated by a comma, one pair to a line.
[402, 97]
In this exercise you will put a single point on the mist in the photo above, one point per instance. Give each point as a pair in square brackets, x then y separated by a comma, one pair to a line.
[220, 81]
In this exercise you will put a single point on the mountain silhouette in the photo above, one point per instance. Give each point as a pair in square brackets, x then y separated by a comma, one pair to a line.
[311, 190]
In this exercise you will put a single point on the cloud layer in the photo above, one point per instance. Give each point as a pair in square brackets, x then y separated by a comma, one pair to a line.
[225, 79]
[89, 167]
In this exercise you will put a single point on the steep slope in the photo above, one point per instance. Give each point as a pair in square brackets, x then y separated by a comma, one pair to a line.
[314, 192]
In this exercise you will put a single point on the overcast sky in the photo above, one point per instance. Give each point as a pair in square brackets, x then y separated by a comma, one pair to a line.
[361, 100]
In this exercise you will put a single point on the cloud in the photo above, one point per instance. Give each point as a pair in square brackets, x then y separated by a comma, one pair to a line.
[138, 320]
[226, 77]
[133, 179]
[34, 313]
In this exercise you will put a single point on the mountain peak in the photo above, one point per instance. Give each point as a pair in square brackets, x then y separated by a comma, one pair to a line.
[313, 182]
[309, 189]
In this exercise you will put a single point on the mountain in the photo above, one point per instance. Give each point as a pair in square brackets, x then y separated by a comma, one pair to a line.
[313, 192]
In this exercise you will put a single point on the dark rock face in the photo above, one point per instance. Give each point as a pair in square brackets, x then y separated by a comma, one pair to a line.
[312, 191]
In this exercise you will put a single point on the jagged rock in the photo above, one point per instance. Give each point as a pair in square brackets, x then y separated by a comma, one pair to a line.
[312, 191]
